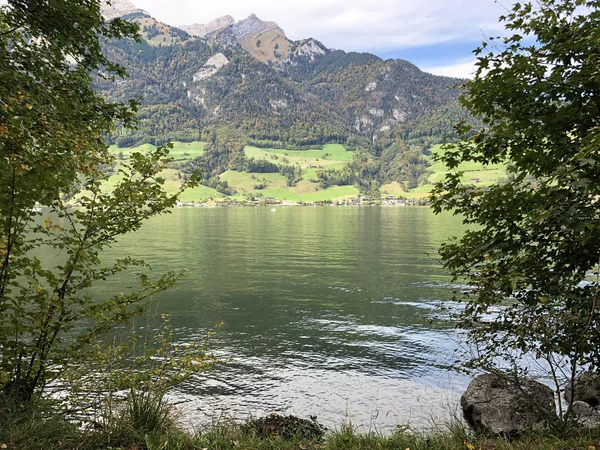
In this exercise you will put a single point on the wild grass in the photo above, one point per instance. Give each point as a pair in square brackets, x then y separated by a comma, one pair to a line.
[150, 424]
[147, 412]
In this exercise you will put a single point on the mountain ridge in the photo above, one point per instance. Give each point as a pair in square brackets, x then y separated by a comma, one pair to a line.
[246, 83]
[112, 9]
[365, 94]
[202, 30]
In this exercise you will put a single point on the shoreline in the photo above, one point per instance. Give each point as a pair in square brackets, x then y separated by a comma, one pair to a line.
[274, 204]
[284, 203]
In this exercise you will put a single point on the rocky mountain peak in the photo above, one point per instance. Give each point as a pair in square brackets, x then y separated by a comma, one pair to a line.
[311, 48]
[117, 8]
[252, 25]
[202, 30]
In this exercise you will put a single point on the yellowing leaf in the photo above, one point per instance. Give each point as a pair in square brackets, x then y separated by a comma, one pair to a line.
[469, 446]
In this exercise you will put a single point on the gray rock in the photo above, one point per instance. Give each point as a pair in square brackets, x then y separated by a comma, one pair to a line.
[202, 30]
[224, 38]
[496, 405]
[118, 8]
[585, 415]
[582, 409]
[212, 66]
[587, 389]
[252, 25]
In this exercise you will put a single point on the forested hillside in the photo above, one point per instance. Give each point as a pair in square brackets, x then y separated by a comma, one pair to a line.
[307, 96]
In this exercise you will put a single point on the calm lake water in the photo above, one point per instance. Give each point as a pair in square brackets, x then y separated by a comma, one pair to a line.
[332, 312]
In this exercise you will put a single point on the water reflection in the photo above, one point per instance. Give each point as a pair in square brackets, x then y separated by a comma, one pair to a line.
[333, 312]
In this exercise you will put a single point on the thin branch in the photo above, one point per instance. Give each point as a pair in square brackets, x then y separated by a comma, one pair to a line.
[11, 31]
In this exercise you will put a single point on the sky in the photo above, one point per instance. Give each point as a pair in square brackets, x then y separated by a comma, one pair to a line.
[436, 35]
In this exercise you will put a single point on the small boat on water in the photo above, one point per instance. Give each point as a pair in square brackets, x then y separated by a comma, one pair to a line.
[273, 210]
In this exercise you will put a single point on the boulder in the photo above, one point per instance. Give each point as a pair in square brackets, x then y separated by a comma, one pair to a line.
[496, 405]
[587, 389]
[585, 415]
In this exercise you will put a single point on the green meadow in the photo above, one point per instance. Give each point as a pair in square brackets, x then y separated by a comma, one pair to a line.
[473, 173]
[331, 156]
[181, 151]
[487, 174]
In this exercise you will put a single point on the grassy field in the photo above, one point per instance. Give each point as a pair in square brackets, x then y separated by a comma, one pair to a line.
[164, 36]
[185, 151]
[394, 188]
[304, 191]
[331, 156]
[244, 182]
[475, 173]
[487, 174]
[200, 193]
[181, 151]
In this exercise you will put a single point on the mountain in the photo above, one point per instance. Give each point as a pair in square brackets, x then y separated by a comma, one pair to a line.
[202, 30]
[197, 82]
[265, 41]
[118, 8]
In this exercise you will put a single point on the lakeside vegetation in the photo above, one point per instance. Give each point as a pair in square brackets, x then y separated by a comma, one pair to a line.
[534, 237]
[41, 429]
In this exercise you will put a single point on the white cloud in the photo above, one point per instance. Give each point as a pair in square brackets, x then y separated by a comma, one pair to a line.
[366, 25]
[376, 26]
[459, 69]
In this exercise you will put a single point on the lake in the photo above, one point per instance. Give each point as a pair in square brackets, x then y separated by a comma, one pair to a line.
[335, 312]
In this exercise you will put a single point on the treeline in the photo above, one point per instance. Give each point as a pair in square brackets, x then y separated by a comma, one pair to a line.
[225, 151]
[370, 168]
[305, 136]
[368, 171]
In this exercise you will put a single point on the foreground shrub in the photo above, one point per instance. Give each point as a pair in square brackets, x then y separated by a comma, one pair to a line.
[286, 427]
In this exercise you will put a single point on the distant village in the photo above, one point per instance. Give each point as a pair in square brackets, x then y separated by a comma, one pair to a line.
[388, 200]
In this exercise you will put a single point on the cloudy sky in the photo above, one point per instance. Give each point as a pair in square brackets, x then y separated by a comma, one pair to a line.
[436, 35]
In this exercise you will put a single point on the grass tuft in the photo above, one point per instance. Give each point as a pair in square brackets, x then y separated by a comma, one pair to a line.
[148, 423]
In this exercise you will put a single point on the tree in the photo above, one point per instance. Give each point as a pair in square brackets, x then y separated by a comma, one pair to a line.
[533, 241]
[52, 125]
